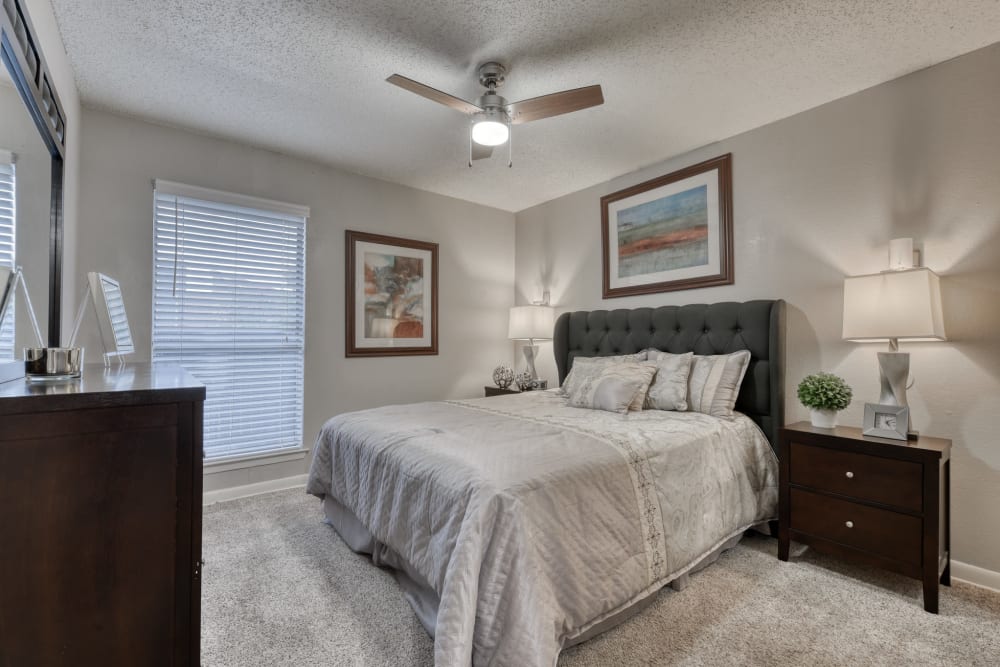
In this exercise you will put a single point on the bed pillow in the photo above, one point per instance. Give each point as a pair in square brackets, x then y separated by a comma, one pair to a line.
[715, 382]
[669, 390]
[571, 379]
[611, 387]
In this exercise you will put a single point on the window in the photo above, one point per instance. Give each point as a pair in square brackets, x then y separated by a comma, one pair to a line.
[229, 306]
[7, 237]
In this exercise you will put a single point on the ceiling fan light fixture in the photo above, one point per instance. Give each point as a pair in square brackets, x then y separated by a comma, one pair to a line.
[491, 115]
[489, 131]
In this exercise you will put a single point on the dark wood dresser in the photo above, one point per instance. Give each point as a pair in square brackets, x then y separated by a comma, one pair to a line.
[882, 502]
[100, 519]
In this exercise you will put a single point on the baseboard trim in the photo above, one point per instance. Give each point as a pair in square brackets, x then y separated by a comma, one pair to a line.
[234, 492]
[977, 576]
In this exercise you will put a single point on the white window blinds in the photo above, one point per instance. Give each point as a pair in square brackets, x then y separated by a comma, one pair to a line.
[229, 306]
[7, 239]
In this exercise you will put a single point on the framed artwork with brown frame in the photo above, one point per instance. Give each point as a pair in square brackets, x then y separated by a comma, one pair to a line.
[670, 233]
[392, 296]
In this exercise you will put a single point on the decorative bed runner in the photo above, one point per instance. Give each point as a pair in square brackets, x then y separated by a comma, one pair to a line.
[635, 452]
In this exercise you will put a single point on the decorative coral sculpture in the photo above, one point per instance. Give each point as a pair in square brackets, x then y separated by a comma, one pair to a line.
[503, 376]
[525, 381]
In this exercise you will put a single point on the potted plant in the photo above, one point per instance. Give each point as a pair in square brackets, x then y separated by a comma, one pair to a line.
[824, 394]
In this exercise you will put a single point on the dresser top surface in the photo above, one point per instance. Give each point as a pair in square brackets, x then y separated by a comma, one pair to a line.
[100, 386]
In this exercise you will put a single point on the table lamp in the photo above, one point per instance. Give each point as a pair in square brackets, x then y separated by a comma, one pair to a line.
[531, 323]
[893, 306]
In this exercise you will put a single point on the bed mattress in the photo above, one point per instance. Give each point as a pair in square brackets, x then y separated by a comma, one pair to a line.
[533, 523]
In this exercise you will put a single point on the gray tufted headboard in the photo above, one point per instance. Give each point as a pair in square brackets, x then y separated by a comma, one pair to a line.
[717, 328]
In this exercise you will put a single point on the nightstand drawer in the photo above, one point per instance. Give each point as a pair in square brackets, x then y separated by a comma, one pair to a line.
[882, 532]
[873, 478]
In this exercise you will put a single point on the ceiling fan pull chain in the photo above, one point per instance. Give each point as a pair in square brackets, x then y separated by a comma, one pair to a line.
[471, 122]
[510, 144]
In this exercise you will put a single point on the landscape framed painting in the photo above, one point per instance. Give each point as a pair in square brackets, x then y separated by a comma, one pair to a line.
[674, 232]
[391, 296]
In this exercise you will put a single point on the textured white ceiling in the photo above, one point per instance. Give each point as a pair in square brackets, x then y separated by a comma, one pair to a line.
[306, 77]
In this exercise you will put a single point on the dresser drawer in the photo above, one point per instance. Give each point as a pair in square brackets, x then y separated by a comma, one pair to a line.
[861, 476]
[882, 532]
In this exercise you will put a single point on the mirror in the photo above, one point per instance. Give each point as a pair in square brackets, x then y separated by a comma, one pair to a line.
[25, 198]
[8, 282]
[32, 148]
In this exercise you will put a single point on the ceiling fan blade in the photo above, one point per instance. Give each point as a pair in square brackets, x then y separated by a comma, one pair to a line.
[555, 104]
[480, 152]
[433, 94]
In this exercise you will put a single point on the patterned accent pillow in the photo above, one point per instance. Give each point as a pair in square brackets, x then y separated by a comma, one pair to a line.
[669, 390]
[715, 382]
[611, 387]
[571, 379]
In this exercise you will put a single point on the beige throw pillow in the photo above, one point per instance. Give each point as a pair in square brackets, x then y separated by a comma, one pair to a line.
[569, 383]
[715, 382]
[669, 390]
[612, 387]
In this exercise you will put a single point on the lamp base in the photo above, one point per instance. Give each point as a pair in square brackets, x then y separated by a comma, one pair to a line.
[893, 371]
[53, 363]
[530, 352]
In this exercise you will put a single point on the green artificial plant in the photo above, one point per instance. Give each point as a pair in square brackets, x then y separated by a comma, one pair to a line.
[824, 391]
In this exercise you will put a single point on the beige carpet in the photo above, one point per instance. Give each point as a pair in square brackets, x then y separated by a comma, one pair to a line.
[280, 588]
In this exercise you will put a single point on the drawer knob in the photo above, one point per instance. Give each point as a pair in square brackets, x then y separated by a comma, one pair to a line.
[850, 475]
[849, 524]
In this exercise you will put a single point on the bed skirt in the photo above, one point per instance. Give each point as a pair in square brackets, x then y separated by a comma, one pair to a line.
[424, 600]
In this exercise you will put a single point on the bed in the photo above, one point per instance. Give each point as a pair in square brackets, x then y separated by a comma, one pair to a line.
[518, 525]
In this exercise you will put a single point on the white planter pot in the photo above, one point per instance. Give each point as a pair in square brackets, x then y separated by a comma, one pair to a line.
[823, 418]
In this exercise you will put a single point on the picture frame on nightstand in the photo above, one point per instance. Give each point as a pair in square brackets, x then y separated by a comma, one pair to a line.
[886, 421]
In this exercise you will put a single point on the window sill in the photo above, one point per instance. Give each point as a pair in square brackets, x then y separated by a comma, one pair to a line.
[223, 464]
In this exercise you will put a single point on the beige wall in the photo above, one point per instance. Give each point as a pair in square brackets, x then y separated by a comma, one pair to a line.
[121, 158]
[817, 197]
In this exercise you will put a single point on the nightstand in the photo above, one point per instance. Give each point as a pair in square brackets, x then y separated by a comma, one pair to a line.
[497, 391]
[884, 503]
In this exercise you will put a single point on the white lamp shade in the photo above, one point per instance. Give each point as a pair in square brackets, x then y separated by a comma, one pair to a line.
[531, 322]
[905, 305]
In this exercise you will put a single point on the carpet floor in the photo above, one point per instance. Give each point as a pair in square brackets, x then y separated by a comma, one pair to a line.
[281, 588]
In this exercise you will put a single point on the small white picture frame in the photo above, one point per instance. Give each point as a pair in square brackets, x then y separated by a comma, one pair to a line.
[112, 321]
[886, 421]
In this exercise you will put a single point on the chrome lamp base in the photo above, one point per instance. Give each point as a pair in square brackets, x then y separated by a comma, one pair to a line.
[530, 352]
[53, 364]
[894, 373]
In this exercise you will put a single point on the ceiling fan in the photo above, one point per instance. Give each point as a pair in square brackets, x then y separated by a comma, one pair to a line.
[492, 115]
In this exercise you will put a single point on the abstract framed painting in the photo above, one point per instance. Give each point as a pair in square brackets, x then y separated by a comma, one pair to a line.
[392, 298]
[671, 233]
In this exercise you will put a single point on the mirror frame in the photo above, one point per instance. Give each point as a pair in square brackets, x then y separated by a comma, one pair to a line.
[22, 56]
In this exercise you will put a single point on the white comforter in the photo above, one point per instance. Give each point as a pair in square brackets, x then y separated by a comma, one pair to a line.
[534, 521]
